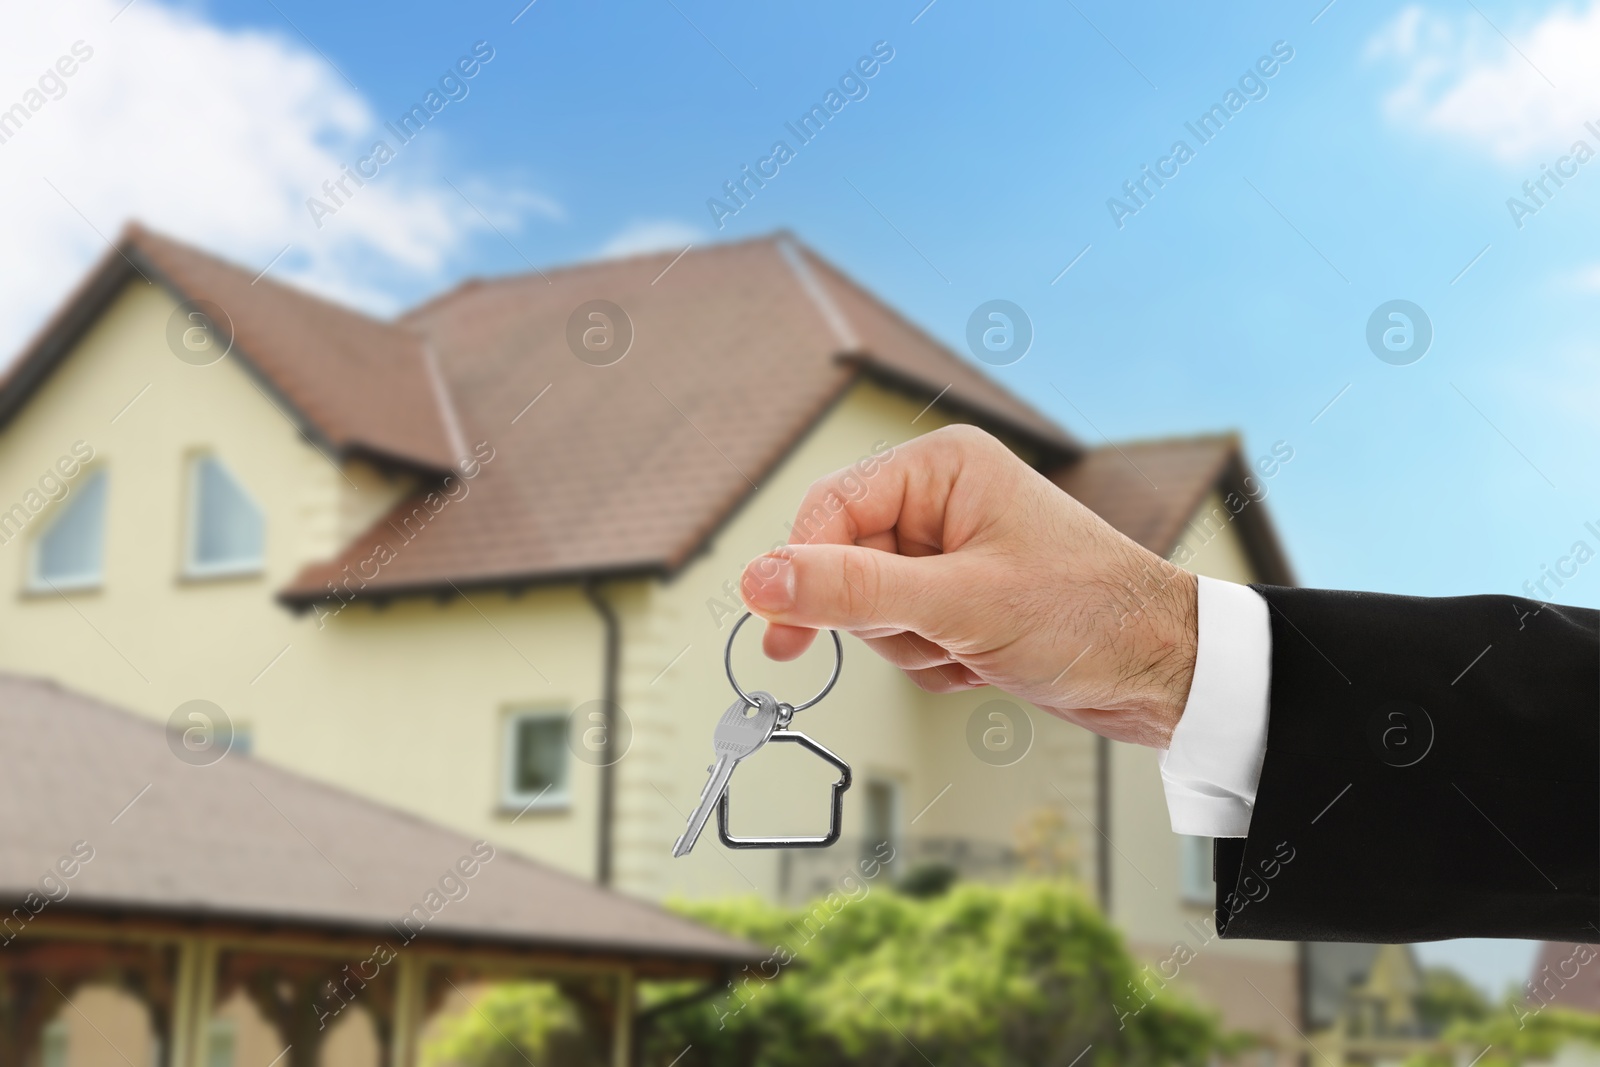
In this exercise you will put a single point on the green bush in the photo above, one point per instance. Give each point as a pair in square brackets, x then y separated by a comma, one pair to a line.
[1515, 1037]
[1029, 973]
[511, 1025]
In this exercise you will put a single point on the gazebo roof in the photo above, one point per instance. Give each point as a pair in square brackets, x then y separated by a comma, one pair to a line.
[241, 840]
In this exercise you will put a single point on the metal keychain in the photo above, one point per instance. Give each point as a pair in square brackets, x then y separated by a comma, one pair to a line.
[753, 720]
[783, 733]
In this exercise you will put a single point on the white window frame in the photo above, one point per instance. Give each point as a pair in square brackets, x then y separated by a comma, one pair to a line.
[552, 798]
[38, 583]
[193, 568]
[1190, 876]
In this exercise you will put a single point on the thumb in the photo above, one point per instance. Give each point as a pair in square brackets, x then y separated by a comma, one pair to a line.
[846, 587]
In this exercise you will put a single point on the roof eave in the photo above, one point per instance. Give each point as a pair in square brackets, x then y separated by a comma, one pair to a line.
[655, 958]
[300, 600]
[84, 306]
[339, 450]
[62, 331]
[1256, 528]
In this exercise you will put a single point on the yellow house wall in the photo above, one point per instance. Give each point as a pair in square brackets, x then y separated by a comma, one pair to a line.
[404, 704]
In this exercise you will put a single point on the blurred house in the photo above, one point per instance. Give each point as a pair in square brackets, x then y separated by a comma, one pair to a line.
[1363, 1005]
[1565, 975]
[480, 563]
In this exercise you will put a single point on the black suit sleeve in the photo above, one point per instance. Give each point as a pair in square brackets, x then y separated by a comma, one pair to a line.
[1432, 771]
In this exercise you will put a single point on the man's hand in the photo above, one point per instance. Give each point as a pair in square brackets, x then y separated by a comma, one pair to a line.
[962, 566]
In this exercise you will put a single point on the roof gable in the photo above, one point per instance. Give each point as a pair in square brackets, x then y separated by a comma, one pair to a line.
[354, 384]
[1151, 490]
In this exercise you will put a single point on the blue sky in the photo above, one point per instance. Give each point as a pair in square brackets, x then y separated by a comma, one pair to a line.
[978, 166]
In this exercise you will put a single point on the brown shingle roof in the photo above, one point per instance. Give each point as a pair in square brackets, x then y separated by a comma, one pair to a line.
[1150, 490]
[1561, 977]
[358, 385]
[738, 350]
[242, 839]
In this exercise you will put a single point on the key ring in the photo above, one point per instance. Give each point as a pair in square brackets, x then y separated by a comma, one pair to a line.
[727, 662]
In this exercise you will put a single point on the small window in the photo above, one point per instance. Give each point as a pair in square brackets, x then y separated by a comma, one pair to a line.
[70, 552]
[53, 1044]
[882, 811]
[225, 526]
[536, 759]
[1194, 870]
[220, 1043]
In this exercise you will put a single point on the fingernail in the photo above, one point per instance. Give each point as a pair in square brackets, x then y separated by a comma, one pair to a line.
[768, 584]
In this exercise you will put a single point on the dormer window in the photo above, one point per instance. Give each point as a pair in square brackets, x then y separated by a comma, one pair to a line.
[70, 552]
[226, 529]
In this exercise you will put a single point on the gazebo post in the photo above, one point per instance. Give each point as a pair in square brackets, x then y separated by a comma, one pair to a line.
[406, 1028]
[622, 1021]
[205, 992]
[193, 993]
[181, 1053]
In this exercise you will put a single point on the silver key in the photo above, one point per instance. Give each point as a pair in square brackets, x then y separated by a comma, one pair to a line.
[740, 733]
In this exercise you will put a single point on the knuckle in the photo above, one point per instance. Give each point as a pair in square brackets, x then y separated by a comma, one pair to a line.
[861, 579]
[969, 438]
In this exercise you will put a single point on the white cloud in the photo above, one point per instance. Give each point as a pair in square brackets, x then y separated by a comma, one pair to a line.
[650, 235]
[1462, 79]
[218, 137]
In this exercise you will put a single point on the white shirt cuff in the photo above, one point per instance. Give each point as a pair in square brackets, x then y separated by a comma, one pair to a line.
[1213, 766]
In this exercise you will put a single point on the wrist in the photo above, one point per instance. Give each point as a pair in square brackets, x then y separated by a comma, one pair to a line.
[1166, 653]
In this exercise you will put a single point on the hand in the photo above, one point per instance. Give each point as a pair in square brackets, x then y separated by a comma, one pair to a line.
[961, 565]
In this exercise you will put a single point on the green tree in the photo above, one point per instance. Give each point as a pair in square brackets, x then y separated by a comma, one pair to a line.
[1029, 973]
[1507, 1039]
[514, 1024]
[1447, 998]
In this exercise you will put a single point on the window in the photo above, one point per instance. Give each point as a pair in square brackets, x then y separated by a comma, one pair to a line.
[225, 526]
[536, 759]
[53, 1044]
[882, 808]
[1194, 870]
[69, 553]
[220, 1044]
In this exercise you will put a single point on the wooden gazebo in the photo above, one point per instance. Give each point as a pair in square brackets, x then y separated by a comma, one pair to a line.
[125, 866]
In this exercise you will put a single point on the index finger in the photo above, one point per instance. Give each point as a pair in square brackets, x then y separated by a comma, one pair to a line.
[892, 499]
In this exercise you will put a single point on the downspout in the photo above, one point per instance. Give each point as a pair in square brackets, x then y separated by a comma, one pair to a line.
[608, 770]
[1102, 804]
